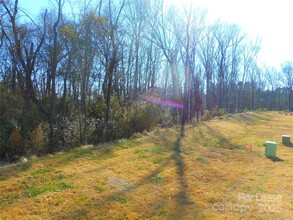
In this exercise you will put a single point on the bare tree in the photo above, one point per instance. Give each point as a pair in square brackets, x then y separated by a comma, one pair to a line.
[23, 48]
[55, 58]
[207, 50]
[287, 69]
[250, 51]
[189, 34]
[272, 76]
[162, 20]
[109, 42]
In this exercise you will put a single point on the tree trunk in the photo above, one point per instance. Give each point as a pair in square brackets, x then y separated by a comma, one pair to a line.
[53, 77]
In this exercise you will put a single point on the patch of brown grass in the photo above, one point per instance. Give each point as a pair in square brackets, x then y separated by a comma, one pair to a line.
[177, 173]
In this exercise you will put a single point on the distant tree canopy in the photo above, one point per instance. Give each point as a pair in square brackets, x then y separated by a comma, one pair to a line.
[69, 79]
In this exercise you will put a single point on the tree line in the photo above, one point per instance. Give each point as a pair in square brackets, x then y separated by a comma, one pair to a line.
[81, 72]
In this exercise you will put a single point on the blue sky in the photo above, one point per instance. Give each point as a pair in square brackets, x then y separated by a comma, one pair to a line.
[33, 7]
[271, 20]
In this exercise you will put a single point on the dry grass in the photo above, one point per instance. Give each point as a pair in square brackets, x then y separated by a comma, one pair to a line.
[181, 173]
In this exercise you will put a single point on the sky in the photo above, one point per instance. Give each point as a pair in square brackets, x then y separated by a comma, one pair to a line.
[270, 20]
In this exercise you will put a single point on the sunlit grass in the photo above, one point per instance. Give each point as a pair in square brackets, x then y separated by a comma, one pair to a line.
[45, 180]
[37, 189]
[168, 174]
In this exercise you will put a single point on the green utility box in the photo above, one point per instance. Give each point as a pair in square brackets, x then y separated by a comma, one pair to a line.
[271, 148]
[286, 139]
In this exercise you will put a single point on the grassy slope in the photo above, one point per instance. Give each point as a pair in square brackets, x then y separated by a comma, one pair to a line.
[172, 173]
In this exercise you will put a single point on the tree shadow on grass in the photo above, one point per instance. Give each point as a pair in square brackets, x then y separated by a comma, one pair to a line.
[12, 170]
[59, 159]
[120, 195]
[182, 200]
[251, 119]
[221, 140]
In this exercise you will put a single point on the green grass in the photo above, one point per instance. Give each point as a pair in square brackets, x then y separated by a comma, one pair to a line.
[81, 199]
[154, 150]
[40, 172]
[201, 160]
[138, 151]
[161, 210]
[159, 160]
[9, 198]
[58, 176]
[13, 169]
[78, 154]
[157, 178]
[37, 189]
[121, 199]
[127, 144]
[157, 150]
[45, 180]
[24, 166]
[99, 189]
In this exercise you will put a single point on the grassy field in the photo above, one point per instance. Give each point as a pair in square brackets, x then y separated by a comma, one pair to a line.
[201, 171]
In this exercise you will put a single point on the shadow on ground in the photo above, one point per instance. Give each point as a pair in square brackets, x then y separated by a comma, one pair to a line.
[13, 169]
[183, 203]
[182, 199]
[221, 140]
[252, 118]
[275, 159]
[289, 144]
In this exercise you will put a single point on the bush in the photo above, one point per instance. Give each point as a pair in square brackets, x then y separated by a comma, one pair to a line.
[215, 112]
[38, 138]
[67, 133]
[12, 145]
[15, 139]
[206, 115]
[5, 130]
[118, 125]
[16, 143]
[125, 121]
[222, 112]
[144, 116]
[26, 131]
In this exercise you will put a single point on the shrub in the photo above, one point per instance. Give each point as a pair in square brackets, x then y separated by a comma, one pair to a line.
[215, 112]
[118, 126]
[125, 121]
[144, 116]
[5, 130]
[67, 132]
[13, 147]
[15, 138]
[206, 115]
[222, 112]
[38, 138]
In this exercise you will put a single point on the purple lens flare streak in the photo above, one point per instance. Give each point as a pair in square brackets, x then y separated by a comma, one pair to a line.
[163, 102]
